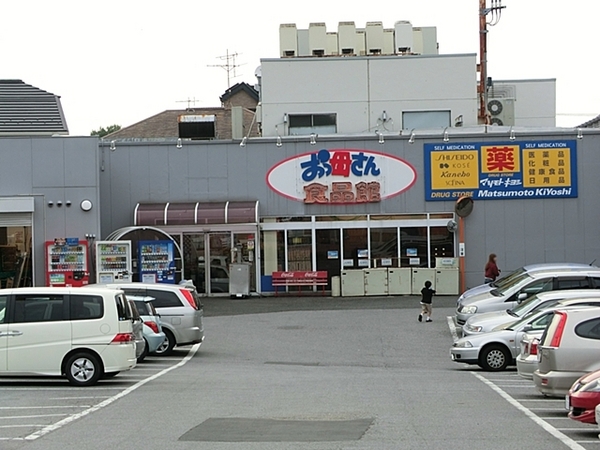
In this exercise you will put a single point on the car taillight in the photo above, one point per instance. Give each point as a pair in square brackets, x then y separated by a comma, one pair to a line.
[122, 338]
[533, 347]
[152, 325]
[560, 328]
[189, 297]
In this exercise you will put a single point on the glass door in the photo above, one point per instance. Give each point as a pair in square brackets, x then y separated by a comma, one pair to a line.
[193, 257]
[219, 257]
[328, 253]
[244, 251]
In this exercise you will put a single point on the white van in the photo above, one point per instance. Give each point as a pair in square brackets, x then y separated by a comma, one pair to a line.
[81, 334]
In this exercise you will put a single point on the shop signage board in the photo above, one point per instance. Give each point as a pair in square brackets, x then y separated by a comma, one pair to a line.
[341, 176]
[501, 170]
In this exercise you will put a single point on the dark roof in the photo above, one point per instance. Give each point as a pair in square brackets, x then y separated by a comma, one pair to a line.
[25, 109]
[163, 125]
[593, 123]
[245, 87]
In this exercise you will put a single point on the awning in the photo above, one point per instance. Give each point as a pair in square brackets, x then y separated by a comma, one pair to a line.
[195, 213]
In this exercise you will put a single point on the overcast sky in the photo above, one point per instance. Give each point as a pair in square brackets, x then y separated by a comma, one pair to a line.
[123, 61]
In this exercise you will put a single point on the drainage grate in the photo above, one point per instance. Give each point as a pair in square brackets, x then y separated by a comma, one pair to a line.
[273, 430]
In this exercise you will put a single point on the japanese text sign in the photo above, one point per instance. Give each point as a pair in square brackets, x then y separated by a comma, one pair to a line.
[341, 176]
[500, 170]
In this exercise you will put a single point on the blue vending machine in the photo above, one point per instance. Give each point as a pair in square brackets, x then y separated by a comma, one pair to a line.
[156, 261]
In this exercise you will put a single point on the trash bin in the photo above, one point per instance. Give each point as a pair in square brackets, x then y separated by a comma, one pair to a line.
[239, 280]
[335, 286]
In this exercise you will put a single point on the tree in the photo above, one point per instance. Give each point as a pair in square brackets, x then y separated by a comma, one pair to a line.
[101, 132]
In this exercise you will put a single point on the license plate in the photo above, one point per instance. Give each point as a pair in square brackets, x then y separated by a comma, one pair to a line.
[567, 402]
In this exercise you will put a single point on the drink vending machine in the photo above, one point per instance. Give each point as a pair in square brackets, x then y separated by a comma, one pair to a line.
[67, 262]
[156, 261]
[113, 262]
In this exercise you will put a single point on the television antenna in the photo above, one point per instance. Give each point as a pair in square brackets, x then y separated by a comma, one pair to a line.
[229, 65]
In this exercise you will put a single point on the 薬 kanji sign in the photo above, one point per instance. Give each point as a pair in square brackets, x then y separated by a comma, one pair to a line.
[500, 170]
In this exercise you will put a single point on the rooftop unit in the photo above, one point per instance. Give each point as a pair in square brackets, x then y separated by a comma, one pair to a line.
[288, 40]
[374, 35]
[403, 37]
[347, 38]
[317, 39]
[425, 41]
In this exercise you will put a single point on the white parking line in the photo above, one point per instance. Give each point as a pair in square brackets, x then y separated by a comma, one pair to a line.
[540, 400]
[78, 398]
[44, 407]
[38, 434]
[31, 417]
[30, 425]
[452, 327]
[538, 420]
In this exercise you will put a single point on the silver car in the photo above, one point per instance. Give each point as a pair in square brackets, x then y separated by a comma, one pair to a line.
[527, 284]
[485, 322]
[138, 332]
[569, 348]
[498, 349]
[154, 337]
[180, 309]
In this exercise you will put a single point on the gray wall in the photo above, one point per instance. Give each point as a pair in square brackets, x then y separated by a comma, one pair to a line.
[518, 231]
[53, 169]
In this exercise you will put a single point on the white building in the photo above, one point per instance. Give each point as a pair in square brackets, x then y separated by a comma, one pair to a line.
[372, 80]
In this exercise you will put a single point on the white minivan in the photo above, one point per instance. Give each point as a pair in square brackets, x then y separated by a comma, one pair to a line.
[81, 334]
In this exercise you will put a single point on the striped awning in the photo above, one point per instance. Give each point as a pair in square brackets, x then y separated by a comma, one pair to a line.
[195, 213]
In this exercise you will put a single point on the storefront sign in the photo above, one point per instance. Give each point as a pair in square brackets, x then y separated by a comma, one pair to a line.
[341, 176]
[501, 170]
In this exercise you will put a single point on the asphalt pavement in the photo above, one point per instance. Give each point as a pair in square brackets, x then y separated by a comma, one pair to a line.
[316, 373]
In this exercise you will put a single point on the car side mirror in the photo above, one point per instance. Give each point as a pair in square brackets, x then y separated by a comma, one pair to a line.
[522, 296]
[527, 328]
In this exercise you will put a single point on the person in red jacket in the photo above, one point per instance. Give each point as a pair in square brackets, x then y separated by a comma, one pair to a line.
[491, 269]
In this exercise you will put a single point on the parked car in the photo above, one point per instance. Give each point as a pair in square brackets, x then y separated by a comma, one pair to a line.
[180, 309]
[484, 322]
[527, 359]
[524, 285]
[501, 282]
[496, 350]
[569, 348]
[152, 329]
[138, 333]
[81, 334]
[583, 397]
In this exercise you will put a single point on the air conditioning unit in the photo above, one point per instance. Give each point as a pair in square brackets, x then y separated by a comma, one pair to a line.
[502, 111]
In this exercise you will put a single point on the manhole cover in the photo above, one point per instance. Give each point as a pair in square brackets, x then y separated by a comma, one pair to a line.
[273, 430]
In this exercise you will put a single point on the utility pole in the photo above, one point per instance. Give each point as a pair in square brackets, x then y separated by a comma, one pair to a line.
[229, 65]
[495, 11]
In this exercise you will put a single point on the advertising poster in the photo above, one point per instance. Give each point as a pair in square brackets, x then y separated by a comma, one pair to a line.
[501, 170]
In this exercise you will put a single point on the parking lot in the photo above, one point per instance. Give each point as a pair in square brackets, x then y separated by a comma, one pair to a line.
[546, 412]
[34, 407]
[296, 373]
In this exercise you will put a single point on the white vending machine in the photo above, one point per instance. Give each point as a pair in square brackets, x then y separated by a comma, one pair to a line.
[113, 262]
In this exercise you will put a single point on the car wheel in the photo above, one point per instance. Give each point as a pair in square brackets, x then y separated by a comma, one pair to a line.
[166, 348]
[494, 358]
[110, 374]
[83, 369]
[144, 353]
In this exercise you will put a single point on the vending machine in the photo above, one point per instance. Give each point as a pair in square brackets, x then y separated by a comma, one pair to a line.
[67, 262]
[156, 261]
[113, 262]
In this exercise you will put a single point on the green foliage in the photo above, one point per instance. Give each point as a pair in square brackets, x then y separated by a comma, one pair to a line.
[101, 132]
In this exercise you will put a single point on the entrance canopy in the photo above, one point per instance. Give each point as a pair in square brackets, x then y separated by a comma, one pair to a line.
[195, 213]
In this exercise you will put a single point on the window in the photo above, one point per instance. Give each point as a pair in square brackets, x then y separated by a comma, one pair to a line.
[38, 308]
[589, 329]
[541, 322]
[573, 283]
[538, 286]
[84, 307]
[123, 309]
[164, 299]
[425, 119]
[303, 124]
[142, 307]
[3, 301]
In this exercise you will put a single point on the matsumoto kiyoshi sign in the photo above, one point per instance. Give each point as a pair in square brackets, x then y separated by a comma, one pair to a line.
[501, 170]
[341, 176]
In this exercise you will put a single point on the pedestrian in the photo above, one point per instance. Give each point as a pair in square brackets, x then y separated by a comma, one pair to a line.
[426, 297]
[491, 269]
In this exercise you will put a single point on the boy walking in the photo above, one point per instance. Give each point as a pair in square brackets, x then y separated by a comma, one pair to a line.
[426, 296]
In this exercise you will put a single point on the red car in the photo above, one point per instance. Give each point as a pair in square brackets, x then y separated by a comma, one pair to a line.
[583, 397]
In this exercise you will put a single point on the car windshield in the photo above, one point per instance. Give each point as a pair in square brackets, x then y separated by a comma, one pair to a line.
[142, 307]
[511, 284]
[525, 306]
[507, 279]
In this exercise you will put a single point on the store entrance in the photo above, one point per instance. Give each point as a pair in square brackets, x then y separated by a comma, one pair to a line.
[219, 249]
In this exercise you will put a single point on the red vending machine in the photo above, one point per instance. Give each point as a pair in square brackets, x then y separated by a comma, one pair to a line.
[67, 262]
